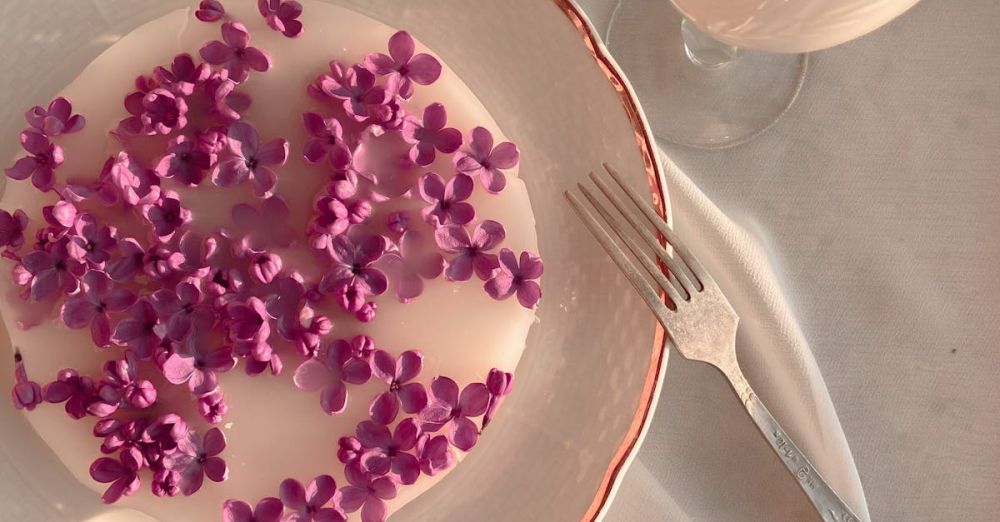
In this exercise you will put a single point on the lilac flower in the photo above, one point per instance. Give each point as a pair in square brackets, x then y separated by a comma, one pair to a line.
[56, 120]
[331, 374]
[434, 454]
[184, 162]
[158, 111]
[499, 385]
[223, 282]
[91, 306]
[137, 184]
[91, 242]
[359, 347]
[183, 311]
[26, 393]
[286, 300]
[52, 271]
[75, 390]
[12, 228]
[60, 216]
[119, 434]
[199, 370]
[138, 332]
[331, 219]
[212, 406]
[398, 222]
[265, 266]
[212, 141]
[166, 215]
[307, 337]
[486, 161]
[447, 202]
[122, 474]
[197, 458]
[166, 432]
[119, 383]
[235, 54]
[251, 160]
[210, 11]
[514, 278]
[430, 135]
[166, 482]
[422, 68]
[192, 254]
[310, 503]
[349, 450]
[248, 321]
[268, 509]
[328, 141]
[226, 100]
[183, 75]
[129, 263]
[397, 373]
[366, 313]
[282, 16]
[356, 86]
[367, 493]
[264, 228]
[352, 264]
[44, 157]
[256, 366]
[388, 452]
[156, 262]
[448, 407]
[413, 263]
[471, 253]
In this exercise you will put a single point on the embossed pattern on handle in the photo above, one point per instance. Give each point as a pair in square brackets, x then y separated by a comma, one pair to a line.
[829, 505]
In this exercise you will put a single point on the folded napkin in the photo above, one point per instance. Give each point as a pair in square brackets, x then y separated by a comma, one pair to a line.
[703, 459]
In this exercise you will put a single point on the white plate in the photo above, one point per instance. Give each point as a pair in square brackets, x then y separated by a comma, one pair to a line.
[587, 382]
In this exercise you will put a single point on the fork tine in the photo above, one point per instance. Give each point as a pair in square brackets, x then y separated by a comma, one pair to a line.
[676, 267]
[644, 260]
[646, 291]
[682, 251]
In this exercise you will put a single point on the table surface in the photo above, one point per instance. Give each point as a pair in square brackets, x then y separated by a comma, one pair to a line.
[878, 198]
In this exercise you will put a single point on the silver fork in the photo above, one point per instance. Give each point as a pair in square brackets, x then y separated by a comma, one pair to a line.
[698, 318]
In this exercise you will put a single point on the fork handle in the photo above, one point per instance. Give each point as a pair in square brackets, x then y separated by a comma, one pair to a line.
[830, 506]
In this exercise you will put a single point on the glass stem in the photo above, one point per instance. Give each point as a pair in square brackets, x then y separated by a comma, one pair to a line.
[703, 50]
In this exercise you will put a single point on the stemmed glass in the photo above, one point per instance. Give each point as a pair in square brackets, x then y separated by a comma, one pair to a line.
[717, 73]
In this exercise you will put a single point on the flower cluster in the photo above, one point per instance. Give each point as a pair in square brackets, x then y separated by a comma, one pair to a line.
[382, 454]
[177, 305]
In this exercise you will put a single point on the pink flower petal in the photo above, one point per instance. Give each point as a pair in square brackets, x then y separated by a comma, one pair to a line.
[424, 69]
[312, 375]
[22, 169]
[474, 399]
[357, 371]
[263, 181]
[216, 469]
[214, 442]
[333, 398]
[435, 117]
[258, 59]
[383, 365]
[237, 511]
[401, 46]
[274, 152]
[445, 390]
[448, 140]
[374, 510]
[500, 287]
[77, 312]
[528, 294]
[215, 53]
[408, 365]
[292, 494]
[235, 34]
[463, 433]
[384, 408]
[352, 498]
[505, 156]
[407, 467]
[321, 490]
[413, 397]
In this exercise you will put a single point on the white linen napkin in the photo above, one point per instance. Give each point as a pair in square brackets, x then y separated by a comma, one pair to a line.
[703, 458]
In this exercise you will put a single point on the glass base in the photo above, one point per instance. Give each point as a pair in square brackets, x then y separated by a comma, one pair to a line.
[698, 97]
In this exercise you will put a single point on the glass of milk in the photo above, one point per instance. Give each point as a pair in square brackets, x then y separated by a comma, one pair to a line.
[716, 73]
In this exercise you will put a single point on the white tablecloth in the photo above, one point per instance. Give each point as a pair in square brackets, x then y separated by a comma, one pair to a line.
[875, 208]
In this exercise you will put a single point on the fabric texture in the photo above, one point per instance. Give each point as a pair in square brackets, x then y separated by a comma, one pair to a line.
[857, 239]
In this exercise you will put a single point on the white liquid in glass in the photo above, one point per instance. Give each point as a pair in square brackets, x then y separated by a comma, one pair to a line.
[790, 26]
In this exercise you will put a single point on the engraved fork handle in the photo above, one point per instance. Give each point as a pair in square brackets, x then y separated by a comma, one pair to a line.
[829, 505]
